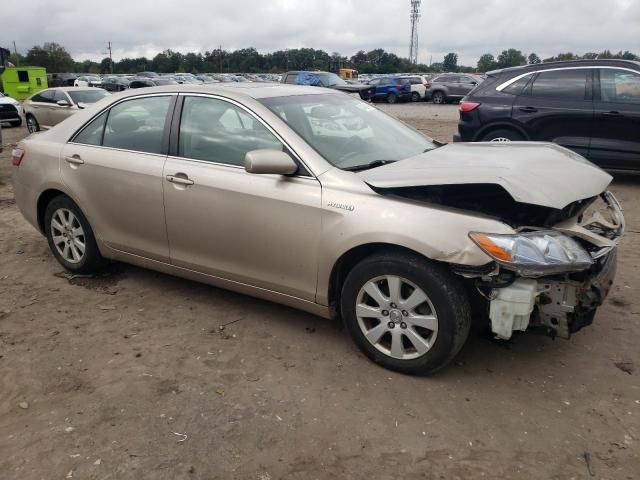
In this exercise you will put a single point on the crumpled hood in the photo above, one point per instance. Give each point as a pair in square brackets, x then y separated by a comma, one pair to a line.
[536, 173]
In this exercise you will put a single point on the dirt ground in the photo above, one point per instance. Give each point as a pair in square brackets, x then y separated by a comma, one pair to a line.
[130, 376]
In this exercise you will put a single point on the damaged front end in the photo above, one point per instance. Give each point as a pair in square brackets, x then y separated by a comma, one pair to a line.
[551, 278]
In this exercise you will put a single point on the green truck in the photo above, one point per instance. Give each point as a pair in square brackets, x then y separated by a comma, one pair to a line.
[22, 82]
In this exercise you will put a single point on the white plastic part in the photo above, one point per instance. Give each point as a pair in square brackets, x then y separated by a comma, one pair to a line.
[512, 307]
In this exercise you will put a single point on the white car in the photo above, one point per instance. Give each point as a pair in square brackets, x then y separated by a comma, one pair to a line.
[418, 87]
[87, 81]
[10, 111]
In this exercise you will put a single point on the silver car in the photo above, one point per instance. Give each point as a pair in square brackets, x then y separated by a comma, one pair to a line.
[51, 106]
[314, 199]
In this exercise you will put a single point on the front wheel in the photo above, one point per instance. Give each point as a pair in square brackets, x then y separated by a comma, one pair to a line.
[415, 97]
[70, 237]
[392, 98]
[405, 313]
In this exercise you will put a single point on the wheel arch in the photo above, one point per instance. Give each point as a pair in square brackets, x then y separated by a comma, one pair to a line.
[349, 259]
[500, 126]
[43, 200]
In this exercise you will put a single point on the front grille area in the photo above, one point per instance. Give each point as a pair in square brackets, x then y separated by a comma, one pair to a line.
[8, 112]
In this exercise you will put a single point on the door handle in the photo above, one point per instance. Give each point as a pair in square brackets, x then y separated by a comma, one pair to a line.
[528, 109]
[179, 180]
[74, 159]
[612, 114]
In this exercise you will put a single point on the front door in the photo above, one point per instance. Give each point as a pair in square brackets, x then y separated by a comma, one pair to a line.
[615, 142]
[58, 113]
[558, 107]
[113, 169]
[260, 230]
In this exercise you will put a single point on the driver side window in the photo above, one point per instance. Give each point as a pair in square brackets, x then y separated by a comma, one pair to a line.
[218, 131]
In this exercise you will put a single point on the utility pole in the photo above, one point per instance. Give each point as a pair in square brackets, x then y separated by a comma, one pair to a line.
[15, 50]
[220, 51]
[110, 58]
[414, 15]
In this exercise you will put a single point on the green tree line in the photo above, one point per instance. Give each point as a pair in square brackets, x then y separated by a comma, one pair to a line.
[56, 59]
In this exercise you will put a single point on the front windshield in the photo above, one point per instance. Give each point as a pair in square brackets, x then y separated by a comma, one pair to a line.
[331, 80]
[87, 96]
[348, 132]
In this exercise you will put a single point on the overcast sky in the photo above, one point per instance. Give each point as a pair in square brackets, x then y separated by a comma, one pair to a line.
[468, 27]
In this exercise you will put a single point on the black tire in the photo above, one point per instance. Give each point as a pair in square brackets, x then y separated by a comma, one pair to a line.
[415, 97]
[392, 98]
[32, 124]
[91, 261]
[17, 123]
[445, 291]
[438, 98]
[502, 135]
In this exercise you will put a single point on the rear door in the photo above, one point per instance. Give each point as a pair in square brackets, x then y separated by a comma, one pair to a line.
[615, 142]
[113, 168]
[557, 106]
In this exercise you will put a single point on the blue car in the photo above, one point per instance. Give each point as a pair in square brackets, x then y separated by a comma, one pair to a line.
[391, 89]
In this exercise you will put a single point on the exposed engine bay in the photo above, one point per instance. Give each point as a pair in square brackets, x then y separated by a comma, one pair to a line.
[562, 303]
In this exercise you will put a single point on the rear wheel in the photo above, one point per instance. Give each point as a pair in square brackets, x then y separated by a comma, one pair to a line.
[392, 98]
[503, 135]
[70, 237]
[32, 124]
[17, 123]
[438, 98]
[415, 97]
[405, 313]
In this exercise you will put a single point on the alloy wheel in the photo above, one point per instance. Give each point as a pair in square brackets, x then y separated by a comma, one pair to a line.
[396, 317]
[500, 139]
[31, 124]
[68, 235]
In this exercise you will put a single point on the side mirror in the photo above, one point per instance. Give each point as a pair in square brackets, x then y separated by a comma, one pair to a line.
[268, 161]
[82, 105]
[63, 103]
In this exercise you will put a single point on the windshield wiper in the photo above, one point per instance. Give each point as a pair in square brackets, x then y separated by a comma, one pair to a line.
[374, 164]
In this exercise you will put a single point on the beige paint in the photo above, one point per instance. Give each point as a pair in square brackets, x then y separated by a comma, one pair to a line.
[272, 236]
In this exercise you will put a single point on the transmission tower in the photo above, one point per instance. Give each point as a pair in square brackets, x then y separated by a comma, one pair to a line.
[414, 16]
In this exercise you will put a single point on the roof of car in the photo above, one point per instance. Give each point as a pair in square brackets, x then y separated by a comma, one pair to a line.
[568, 63]
[75, 89]
[249, 89]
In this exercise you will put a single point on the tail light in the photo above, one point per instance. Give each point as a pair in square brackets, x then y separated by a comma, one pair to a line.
[17, 154]
[427, 85]
[468, 106]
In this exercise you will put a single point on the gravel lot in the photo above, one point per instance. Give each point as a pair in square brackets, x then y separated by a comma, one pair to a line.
[130, 376]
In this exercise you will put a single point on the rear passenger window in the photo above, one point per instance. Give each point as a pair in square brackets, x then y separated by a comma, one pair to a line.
[619, 86]
[92, 133]
[218, 131]
[561, 84]
[516, 87]
[137, 124]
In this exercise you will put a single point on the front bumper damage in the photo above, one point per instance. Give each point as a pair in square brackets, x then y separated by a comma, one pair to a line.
[560, 304]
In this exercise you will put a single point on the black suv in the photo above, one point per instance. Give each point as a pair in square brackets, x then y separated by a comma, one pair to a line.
[589, 106]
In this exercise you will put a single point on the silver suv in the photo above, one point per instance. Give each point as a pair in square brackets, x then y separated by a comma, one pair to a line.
[451, 87]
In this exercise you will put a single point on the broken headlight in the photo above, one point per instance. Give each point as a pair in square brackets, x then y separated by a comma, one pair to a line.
[534, 253]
